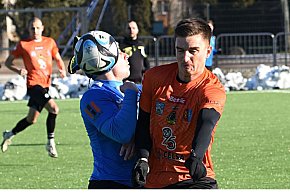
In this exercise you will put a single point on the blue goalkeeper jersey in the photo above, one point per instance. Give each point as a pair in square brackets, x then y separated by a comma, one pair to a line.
[110, 119]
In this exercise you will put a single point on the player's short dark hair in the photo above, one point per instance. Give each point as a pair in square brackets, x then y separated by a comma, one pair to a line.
[193, 26]
[31, 20]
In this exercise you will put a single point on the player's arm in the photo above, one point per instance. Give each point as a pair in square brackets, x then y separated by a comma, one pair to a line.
[143, 144]
[60, 65]
[206, 122]
[116, 124]
[128, 149]
[143, 140]
[11, 66]
[146, 64]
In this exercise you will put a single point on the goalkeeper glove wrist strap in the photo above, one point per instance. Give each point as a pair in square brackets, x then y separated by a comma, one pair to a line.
[144, 159]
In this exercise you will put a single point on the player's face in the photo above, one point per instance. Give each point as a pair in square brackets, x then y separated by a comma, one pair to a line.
[191, 53]
[122, 68]
[133, 30]
[35, 30]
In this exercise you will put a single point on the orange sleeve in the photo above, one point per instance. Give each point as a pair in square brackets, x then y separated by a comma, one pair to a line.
[215, 97]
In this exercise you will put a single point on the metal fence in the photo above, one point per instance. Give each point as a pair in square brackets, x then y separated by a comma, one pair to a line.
[236, 50]
[282, 48]
[240, 50]
[245, 49]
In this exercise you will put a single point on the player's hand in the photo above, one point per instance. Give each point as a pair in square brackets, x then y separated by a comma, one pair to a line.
[62, 73]
[128, 85]
[128, 150]
[196, 168]
[22, 72]
[140, 172]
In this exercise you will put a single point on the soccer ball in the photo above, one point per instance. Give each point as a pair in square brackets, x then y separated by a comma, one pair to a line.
[96, 52]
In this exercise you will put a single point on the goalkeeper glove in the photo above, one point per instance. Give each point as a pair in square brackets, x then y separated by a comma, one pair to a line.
[195, 166]
[140, 172]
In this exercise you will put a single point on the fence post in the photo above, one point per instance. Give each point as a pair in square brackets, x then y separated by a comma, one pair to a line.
[275, 51]
[84, 20]
[156, 50]
[38, 13]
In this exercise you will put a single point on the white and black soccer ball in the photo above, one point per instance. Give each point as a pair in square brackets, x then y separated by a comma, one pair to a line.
[96, 52]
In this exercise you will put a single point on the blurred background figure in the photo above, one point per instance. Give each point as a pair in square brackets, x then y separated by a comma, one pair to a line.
[209, 60]
[135, 49]
[37, 53]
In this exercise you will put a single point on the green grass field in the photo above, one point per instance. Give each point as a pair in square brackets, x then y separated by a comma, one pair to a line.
[251, 147]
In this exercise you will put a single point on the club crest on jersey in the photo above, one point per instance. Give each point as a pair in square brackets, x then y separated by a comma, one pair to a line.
[159, 108]
[187, 115]
[171, 118]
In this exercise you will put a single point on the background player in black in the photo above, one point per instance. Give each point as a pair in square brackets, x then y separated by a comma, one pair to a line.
[135, 49]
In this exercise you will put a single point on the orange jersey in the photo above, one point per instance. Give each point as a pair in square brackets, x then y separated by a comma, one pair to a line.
[37, 58]
[174, 109]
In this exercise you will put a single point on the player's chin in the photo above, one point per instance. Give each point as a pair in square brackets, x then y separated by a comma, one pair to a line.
[127, 74]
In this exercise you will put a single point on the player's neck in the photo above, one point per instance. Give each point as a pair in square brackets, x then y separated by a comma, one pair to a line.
[38, 40]
[108, 76]
[133, 37]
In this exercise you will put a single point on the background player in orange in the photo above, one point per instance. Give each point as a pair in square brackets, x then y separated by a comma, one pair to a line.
[180, 106]
[37, 53]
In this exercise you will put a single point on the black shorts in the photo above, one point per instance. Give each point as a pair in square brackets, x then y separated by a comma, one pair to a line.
[106, 184]
[38, 97]
[203, 183]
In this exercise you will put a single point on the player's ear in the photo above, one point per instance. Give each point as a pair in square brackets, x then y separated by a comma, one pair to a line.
[209, 50]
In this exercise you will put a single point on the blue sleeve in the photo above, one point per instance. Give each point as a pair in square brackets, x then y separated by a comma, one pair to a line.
[214, 50]
[116, 121]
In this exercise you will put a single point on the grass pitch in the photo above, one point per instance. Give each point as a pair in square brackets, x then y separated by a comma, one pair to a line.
[26, 164]
[251, 147]
[252, 143]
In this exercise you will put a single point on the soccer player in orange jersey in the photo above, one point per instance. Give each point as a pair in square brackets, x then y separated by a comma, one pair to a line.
[180, 106]
[37, 53]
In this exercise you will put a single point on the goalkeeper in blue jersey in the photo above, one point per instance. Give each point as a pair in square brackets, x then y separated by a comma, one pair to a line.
[108, 108]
